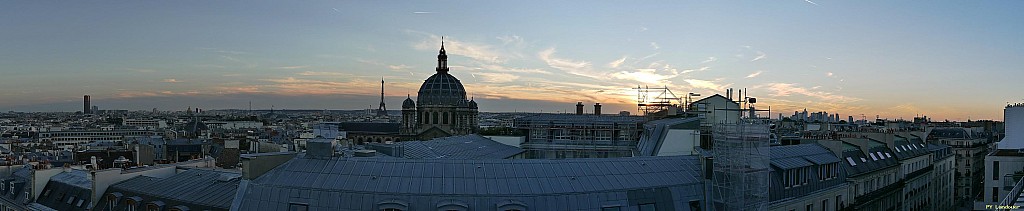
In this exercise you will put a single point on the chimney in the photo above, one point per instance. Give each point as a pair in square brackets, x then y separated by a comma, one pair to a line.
[597, 109]
[579, 108]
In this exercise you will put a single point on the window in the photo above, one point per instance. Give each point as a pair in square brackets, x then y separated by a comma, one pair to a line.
[298, 207]
[130, 205]
[995, 170]
[648, 207]
[391, 209]
[995, 194]
[434, 116]
[445, 117]
[849, 159]
[824, 205]
[810, 207]
[839, 204]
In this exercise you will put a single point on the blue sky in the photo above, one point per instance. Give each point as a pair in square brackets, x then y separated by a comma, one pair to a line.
[950, 59]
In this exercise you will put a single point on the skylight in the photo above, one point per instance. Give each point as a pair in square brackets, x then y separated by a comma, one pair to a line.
[880, 155]
[849, 159]
[863, 160]
[887, 155]
[873, 157]
[898, 149]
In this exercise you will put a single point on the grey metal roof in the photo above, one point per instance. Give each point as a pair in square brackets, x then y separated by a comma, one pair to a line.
[585, 119]
[77, 178]
[455, 147]
[195, 188]
[364, 183]
[800, 155]
[70, 190]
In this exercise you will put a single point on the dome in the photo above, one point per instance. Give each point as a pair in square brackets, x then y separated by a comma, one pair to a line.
[441, 89]
[408, 103]
[472, 104]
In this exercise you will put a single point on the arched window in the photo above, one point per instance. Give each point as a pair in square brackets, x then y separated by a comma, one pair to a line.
[112, 200]
[452, 204]
[132, 203]
[392, 205]
[511, 205]
[445, 116]
[155, 206]
[434, 116]
[179, 208]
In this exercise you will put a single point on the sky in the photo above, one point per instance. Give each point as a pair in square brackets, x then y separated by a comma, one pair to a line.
[954, 60]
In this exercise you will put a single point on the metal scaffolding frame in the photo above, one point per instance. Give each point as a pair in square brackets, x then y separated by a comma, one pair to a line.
[740, 180]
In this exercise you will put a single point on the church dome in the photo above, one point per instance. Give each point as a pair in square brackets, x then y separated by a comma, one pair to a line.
[472, 104]
[441, 89]
[408, 103]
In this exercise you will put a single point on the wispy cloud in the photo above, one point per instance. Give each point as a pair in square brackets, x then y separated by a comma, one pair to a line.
[705, 84]
[809, 1]
[313, 73]
[647, 76]
[709, 60]
[500, 68]
[476, 51]
[293, 67]
[171, 80]
[617, 63]
[696, 70]
[655, 45]
[755, 74]
[788, 89]
[760, 56]
[399, 67]
[581, 68]
[423, 12]
[511, 40]
[830, 74]
[496, 77]
[642, 29]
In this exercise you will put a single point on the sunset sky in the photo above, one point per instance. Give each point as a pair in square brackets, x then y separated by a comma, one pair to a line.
[949, 60]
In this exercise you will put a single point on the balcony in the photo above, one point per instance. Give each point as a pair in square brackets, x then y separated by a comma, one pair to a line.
[1012, 198]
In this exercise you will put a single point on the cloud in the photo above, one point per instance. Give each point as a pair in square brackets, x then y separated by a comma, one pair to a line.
[809, 1]
[648, 76]
[399, 67]
[423, 12]
[511, 40]
[705, 84]
[696, 70]
[616, 63]
[709, 60]
[171, 80]
[581, 68]
[755, 74]
[788, 89]
[499, 68]
[643, 29]
[476, 51]
[313, 73]
[655, 45]
[496, 77]
[292, 67]
[830, 74]
[760, 55]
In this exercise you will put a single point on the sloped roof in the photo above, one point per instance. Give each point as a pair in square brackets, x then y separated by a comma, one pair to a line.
[356, 183]
[800, 155]
[195, 187]
[455, 147]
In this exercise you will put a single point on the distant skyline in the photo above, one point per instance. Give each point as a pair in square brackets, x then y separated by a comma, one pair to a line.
[948, 60]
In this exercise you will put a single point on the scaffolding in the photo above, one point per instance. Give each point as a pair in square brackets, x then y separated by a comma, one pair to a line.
[656, 100]
[740, 179]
